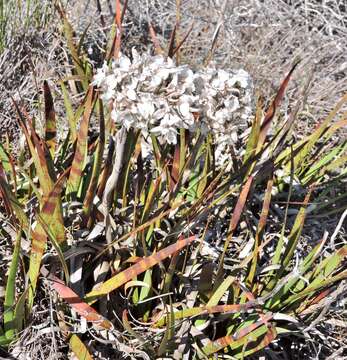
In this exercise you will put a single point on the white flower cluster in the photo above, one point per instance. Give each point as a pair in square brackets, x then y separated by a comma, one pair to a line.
[152, 94]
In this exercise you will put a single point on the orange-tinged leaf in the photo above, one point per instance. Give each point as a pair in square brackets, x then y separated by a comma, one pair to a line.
[295, 233]
[175, 172]
[117, 30]
[46, 164]
[118, 14]
[240, 205]
[324, 294]
[241, 201]
[79, 348]
[36, 151]
[260, 230]
[266, 340]
[246, 330]
[157, 48]
[76, 303]
[51, 129]
[225, 341]
[46, 161]
[183, 40]
[39, 237]
[81, 146]
[118, 37]
[273, 107]
[79, 63]
[235, 218]
[146, 263]
[202, 310]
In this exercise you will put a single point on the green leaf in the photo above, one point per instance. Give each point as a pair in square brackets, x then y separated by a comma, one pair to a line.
[259, 233]
[79, 348]
[79, 63]
[252, 146]
[5, 160]
[10, 294]
[254, 331]
[301, 158]
[69, 113]
[14, 203]
[169, 332]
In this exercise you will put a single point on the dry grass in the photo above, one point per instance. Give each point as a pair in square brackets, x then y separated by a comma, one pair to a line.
[263, 38]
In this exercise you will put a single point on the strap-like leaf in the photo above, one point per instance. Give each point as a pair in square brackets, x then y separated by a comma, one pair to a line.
[130, 273]
[79, 348]
[10, 294]
[51, 129]
[241, 338]
[39, 237]
[273, 107]
[76, 303]
[81, 146]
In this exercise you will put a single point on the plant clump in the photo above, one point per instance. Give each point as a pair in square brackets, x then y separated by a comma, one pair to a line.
[196, 256]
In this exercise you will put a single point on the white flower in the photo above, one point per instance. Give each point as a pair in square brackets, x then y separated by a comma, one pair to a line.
[128, 120]
[221, 116]
[218, 83]
[171, 136]
[184, 109]
[131, 94]
[146, 146]
[153, 95]
[172, 120]
[167, 130]
[155, 82]
[108, 94]
[232, 104]
[100, 75]
[115, 115]
[241, 77]
[111, 82]
[166, 133]
[185, 112]
[124, 63]
[145, 108]
[189, 81]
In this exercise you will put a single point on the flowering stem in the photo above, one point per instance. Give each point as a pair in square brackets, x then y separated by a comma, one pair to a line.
[112, 182]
